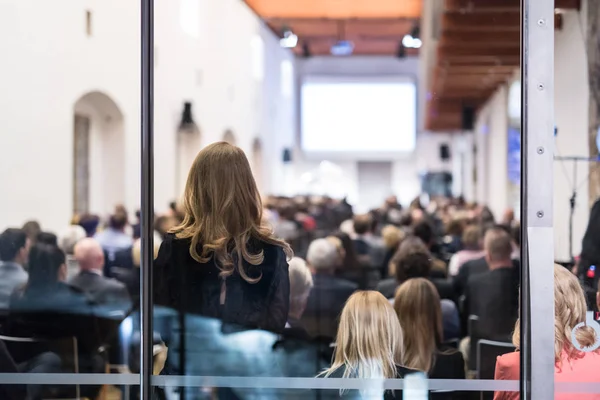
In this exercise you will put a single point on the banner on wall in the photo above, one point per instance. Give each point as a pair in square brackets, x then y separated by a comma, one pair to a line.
[514, 156]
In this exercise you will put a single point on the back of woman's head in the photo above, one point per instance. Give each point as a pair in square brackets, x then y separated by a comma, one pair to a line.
[223, 210]
[417, 304]
[45, 262]
[569, 310]
[369, 338]
[392, 236]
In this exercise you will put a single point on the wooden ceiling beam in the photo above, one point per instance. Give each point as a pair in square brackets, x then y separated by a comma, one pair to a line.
[475, 69]
[500, 52]
[487, 37]
[484, 21]
[490, 61]
[500, 5]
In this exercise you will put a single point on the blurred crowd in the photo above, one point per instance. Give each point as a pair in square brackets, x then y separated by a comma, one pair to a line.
[429, 288]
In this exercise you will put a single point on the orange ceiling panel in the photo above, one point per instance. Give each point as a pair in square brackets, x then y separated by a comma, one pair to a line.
[337, 9]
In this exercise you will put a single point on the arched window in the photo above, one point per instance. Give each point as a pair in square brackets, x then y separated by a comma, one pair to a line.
[98, 154]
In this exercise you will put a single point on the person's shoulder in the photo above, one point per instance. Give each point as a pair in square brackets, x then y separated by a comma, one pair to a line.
[473, 264]
[402, 371]
[509, 361]
[346, 284]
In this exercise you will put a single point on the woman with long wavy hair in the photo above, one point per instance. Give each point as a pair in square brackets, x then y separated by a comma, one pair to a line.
[221, 261]
[572, 334]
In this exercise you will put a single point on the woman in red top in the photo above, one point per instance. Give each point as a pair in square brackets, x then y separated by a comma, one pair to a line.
[571, 365]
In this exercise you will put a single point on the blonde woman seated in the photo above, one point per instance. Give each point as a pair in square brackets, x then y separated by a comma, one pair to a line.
[417, 305]
[368, 344]
[570, 364]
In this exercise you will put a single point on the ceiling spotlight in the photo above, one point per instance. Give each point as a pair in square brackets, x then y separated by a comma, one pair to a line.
[289, 40]
[411, 42]
[342, 48]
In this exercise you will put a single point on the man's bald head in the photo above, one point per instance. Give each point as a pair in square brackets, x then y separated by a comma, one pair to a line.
[89, 255]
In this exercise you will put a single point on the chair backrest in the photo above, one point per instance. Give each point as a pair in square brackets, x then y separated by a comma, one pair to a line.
[24, 348]
[472, 328]
[121, 258]
[487, 352]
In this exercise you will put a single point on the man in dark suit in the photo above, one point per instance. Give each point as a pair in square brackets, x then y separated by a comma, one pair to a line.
[329, 293]
[103, 291]
[493, 295]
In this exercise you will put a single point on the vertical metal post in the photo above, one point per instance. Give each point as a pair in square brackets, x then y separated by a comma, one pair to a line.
[537, 252]
[147, 200]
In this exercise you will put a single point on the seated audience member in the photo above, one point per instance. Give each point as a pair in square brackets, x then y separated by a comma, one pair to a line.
[49, 308]
[367, 234]
[413, 260]
[350, 266]
[369, 344]
[301, 283]
[130, 277]
[453, 239]
[32, 229]
[392, 237]
[476, 266]
[67, 241]
[14, 250]
[45, 290]
[570, 364]
[417, 305]
[136, 228]
[471, 249]
[362, 227]
[47, 238]
[493, 296]
[347, 227]
[286, 226]
[515, 233]
[162, 226]
[329, 293]
[424, 231]
[114, 238]
[104, 291]
[89, 223]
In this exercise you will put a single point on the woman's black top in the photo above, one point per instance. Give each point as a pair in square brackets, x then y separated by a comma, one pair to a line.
[449, 364]
[183, 284]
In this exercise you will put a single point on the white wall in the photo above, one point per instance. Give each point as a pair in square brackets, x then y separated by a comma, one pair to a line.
[571, 110]
[491, 139]
[571, 113]
[49, 63]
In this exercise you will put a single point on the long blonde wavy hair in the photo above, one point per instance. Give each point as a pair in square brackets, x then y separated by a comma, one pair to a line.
[569, 310]
[417, 304]
[369, 338]
[223, 211]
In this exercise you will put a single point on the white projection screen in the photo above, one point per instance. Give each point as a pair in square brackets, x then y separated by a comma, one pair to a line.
[359, 118]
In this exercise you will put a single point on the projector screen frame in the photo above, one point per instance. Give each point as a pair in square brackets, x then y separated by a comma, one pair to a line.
[313, 155]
